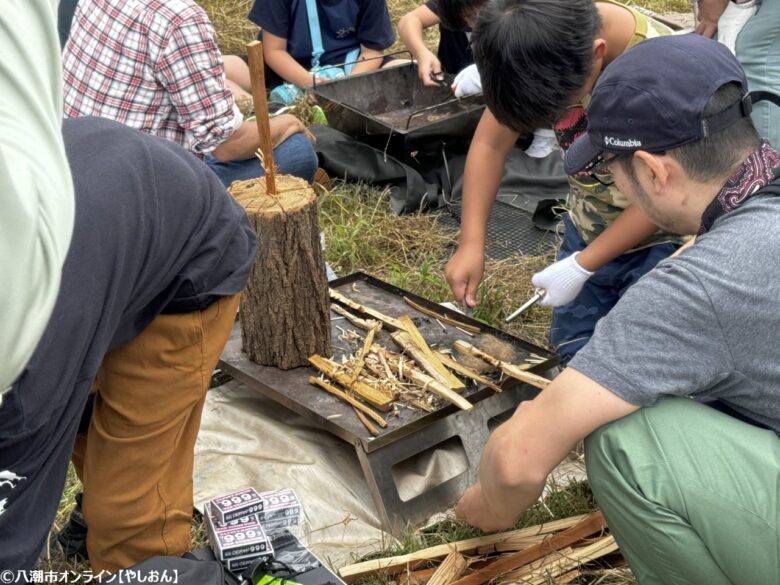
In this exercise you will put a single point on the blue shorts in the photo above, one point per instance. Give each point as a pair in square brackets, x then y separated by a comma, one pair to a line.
[574, 323]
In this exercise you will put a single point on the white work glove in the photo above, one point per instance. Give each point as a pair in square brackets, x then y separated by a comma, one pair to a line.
[562, 280]
[467, 82]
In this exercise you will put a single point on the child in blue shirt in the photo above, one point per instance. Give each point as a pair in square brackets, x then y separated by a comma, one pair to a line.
[297, 39]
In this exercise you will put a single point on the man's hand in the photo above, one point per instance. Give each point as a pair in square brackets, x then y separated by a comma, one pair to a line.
[474, 510]
[467, 82]
[428, 65]
[464, 271]
[284, 126]
[562, 280]
[709, 14]
[521, 453]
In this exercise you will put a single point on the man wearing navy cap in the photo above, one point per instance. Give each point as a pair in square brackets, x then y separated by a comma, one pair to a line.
[678, 392]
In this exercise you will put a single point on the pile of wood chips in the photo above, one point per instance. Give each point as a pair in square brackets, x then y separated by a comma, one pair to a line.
[563, 550]
[377, 379]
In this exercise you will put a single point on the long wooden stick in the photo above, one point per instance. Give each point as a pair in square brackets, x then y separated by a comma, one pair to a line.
[444, 318]
[560, 564]
[592, 524]
[509, 369]
[398, 564]
[366, 423]
[356, 404]
[450, 569]
[391, 322]
[443, 374]
[375, 397]
[466, 371]
[254, 51]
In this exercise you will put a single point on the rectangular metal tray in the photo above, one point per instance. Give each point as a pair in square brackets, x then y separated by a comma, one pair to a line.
[394, 101]
[291, 388]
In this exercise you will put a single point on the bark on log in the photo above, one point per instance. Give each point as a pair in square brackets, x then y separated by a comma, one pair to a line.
[285, 310]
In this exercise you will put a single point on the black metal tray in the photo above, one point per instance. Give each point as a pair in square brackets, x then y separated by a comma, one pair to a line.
[291, 388]
[394, 101]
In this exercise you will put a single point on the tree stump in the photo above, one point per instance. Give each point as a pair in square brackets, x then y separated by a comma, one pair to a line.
[285, 309]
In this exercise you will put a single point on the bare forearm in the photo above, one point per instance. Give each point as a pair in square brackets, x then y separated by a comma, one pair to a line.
[241, 145]
[630, 229]
[411, 31]
[482, 177]
[369, 60]
[288, 68]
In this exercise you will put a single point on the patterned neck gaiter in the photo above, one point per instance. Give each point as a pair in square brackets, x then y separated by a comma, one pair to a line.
[759, 170]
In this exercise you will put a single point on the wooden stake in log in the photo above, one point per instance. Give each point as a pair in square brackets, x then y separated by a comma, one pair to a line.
[450, 569]
[356, 404]
[254, 51]
[442, 373]
[509, 369]
[377, 398]
[285, 312]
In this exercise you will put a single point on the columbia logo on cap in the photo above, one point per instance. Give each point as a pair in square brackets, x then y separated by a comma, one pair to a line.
[629, 143]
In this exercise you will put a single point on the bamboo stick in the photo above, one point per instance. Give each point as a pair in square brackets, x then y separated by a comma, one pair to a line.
[361, 358]
[348, 399]
[404, 341]
[591, 524]
[363, 310]
[254, 51]
[376, 398]
[444, 375]
[451, 568]
[426, 382]
[441, 317]
[366, 423]
[563, 563]
[417, 577]
[466, 371]
[398, 564]
[509, 369]
[540, 566]
[364, 324]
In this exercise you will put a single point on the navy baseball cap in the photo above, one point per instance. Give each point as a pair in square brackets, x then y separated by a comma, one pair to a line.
[653, 96]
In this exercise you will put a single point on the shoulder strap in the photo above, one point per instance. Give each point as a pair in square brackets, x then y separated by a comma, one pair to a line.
[317, 49]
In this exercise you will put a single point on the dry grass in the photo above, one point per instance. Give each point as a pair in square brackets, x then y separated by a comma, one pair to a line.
[361, 233]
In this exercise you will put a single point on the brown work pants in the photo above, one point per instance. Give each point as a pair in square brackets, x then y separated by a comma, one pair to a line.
[136, 459]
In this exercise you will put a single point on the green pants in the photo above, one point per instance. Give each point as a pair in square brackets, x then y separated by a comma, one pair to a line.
[690, 494]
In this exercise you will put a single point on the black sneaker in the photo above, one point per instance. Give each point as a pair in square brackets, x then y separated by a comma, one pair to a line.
[73, 537]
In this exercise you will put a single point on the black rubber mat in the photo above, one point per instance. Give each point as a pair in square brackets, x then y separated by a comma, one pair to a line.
[510, 231]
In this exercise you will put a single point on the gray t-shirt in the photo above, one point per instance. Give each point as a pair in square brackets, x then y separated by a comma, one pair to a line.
[704, 324]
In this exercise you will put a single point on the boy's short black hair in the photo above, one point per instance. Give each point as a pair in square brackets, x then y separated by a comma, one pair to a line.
[453, 13]
[534, 57]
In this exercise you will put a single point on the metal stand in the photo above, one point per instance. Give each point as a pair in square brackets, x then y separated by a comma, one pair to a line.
[409, 432]
[472, 428]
